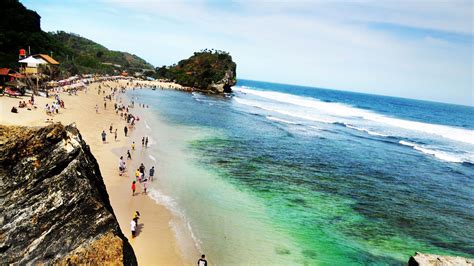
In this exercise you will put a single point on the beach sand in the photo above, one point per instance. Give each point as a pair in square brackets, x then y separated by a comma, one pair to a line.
[156, 241]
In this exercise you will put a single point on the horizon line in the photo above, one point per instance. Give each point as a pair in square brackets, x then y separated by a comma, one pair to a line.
[359, 92]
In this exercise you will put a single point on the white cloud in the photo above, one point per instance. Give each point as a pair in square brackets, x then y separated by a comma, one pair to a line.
[320, 43]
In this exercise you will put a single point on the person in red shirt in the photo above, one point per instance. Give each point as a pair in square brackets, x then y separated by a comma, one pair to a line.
[133, 188]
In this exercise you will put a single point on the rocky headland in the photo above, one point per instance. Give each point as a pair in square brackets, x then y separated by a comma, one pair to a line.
[209, 71]
[54, 205]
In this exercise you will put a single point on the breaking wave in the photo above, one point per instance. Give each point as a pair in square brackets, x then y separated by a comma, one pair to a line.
[340, 110]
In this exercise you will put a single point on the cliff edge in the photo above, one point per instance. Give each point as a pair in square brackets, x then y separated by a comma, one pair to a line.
[54, 205]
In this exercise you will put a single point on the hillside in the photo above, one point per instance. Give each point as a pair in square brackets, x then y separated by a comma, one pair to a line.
[21, 28]
[207, 70]
[90, 55]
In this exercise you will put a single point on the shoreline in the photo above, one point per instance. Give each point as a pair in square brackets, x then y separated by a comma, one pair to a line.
[156, 240]
[186, 244]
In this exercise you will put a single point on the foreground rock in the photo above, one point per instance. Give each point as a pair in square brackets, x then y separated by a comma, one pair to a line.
[54, 206]
[421, 259]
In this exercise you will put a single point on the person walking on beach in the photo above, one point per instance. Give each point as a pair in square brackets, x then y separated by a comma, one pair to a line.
[121, 165]
[144, 185]
[96, 109]
[105, 105]
[137, 174]
[133, 228]
[110, 128]
[133, 146]
[125, 130]
[129, 156]
[134, 186]
[103, 136]
[143, 141]
[152, 173]
[142, 169]
[115, 134]
[202, 261]
[136, 216]
[146, 142]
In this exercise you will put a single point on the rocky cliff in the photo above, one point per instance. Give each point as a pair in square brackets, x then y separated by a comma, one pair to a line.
[421, 259]
[54, 206]
[210, 71]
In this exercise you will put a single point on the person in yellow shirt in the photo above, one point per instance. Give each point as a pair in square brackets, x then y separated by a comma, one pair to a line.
[137, 174]
[133, 145]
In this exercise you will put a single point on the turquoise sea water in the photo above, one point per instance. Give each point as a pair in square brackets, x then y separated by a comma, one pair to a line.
[281, 174]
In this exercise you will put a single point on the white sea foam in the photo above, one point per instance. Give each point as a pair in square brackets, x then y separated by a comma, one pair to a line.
[373, 133]
[196, 96]
[152, 158]
[165, 200]
[283, 112]
[171, 205]
[442, 155]
[177, 229]
[347, 111]
[276, 119]
[197, 241]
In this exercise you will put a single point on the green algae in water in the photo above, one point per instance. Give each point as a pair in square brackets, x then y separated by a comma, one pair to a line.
[326, 226]
[325, 193]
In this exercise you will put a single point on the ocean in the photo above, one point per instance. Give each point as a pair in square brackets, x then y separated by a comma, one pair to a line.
[282, 174]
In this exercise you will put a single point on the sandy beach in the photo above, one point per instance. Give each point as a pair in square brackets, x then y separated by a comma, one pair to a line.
[156, 242]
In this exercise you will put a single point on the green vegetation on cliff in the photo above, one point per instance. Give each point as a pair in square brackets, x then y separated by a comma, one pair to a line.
[20, 28]
[93, 57]
[208, 70]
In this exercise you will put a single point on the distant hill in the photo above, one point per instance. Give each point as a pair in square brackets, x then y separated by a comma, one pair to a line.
[90, 56]
[207, 70]
[21, 28]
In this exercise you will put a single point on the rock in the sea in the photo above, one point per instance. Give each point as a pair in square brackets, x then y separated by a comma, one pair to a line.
[421, 259]
[209, 71]
[54, 206]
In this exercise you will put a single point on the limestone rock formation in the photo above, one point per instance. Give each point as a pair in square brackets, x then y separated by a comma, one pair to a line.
[210, 71]
[54, 206]
[421, 259]
[225, 84]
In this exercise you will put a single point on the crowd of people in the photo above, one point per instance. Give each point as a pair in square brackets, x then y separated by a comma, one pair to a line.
[54, 107]
[141, 176]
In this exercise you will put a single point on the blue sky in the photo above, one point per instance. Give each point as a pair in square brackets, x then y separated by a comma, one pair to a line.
[413, 49]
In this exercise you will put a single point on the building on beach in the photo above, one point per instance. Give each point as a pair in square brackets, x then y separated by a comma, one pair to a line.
[31, 64]
[46, 58]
